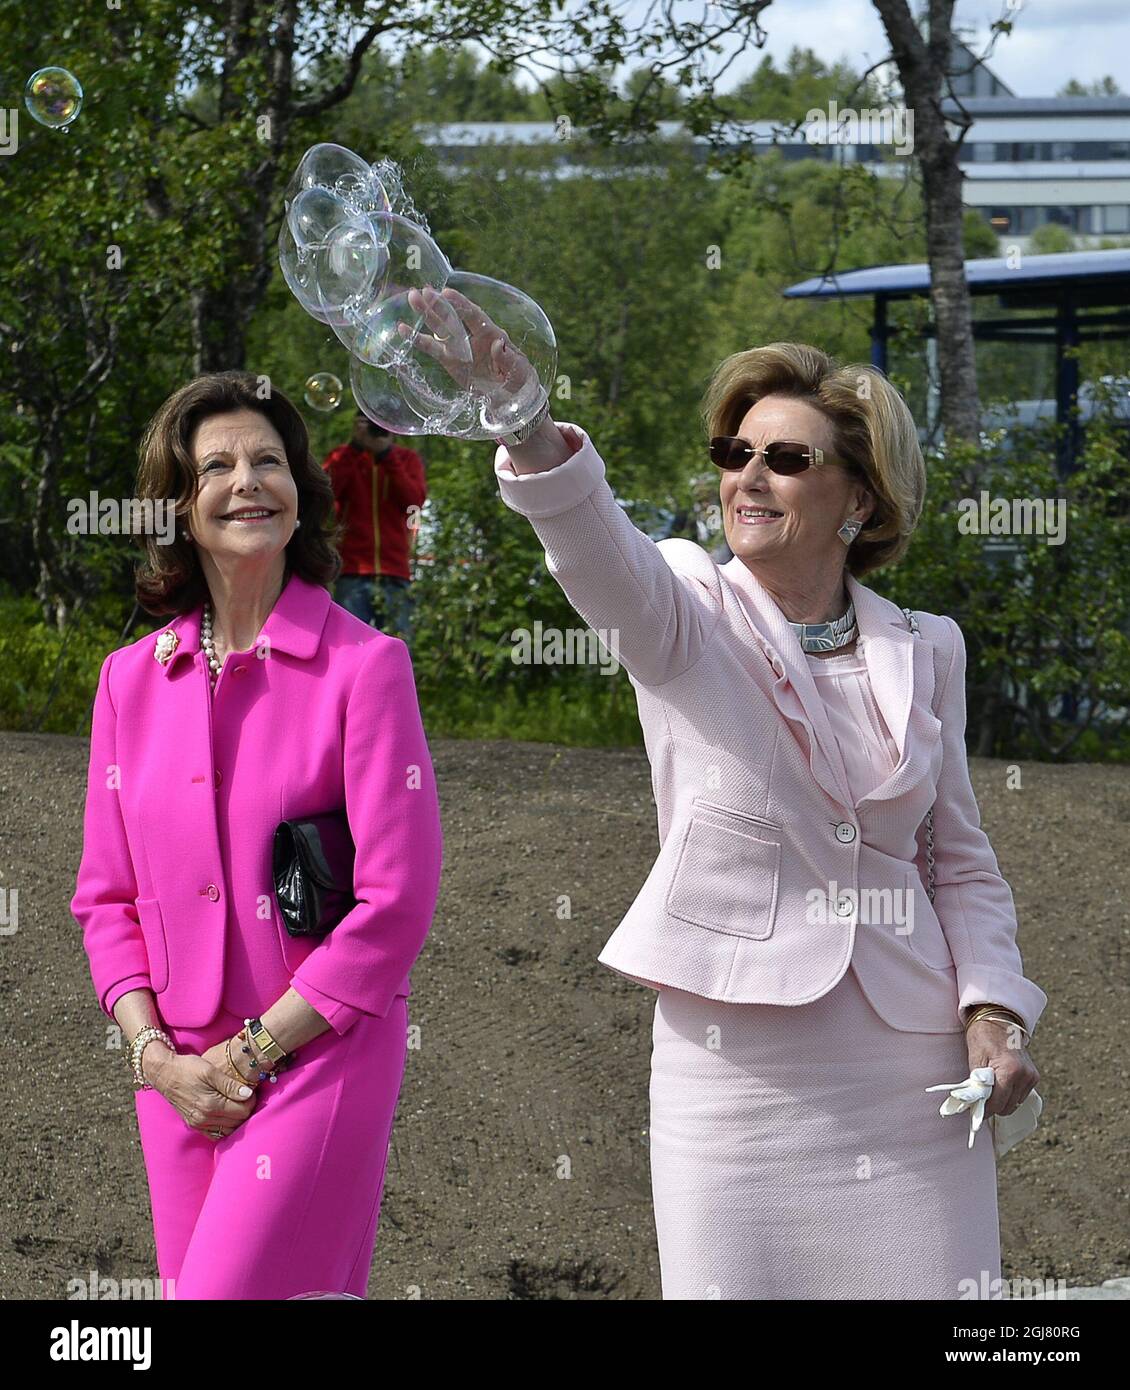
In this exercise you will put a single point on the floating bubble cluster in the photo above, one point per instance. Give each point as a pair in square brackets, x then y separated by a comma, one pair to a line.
[323, 391]
[434, 350]
[53, 97]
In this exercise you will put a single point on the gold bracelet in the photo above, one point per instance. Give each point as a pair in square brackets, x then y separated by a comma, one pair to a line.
[247, 1080]
[266, 1072]
[997, 1013]
[1009, 1022]
[979, 1010]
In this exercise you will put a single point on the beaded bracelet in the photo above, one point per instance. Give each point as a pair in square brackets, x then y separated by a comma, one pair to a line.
[265, 1073]
[138, 1046]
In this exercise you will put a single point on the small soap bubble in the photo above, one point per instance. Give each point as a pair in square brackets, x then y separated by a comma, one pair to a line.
[323, 391]
[53, 97]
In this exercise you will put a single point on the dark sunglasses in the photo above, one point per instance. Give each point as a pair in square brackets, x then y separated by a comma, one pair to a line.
[783, 456]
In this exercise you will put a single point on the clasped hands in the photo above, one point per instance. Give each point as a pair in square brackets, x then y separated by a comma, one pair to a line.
[203, 1089]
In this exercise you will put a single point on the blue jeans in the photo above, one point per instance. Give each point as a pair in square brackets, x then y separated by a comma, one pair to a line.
[383, 601]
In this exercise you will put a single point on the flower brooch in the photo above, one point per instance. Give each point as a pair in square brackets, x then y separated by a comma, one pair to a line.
[167, 643]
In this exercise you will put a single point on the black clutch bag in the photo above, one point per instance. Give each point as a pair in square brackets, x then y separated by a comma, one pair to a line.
[312, 863]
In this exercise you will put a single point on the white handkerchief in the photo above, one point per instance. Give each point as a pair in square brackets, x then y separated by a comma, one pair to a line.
[1008, 1130]
[972, 1093]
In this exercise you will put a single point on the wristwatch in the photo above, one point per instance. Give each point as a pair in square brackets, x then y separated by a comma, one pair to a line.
[264, 1043]
[523, 433]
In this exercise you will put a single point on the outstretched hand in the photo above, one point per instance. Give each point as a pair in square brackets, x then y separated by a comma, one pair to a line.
[465, 341]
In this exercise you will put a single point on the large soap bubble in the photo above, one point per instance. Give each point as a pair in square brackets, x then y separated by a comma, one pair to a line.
[333, 168]
[433, 350]
[297, 266]
[324, 275]
[378, 394]
[494, 347]
[368, 321]
[53, 97]
[387, 173]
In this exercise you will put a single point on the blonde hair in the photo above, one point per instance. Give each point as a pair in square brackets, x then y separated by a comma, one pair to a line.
[873, 428]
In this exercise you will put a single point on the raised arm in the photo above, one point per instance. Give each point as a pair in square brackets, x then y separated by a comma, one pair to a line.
[658, 605]
[662, 600]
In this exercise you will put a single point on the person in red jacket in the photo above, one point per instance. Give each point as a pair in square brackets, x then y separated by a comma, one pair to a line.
[379, 491]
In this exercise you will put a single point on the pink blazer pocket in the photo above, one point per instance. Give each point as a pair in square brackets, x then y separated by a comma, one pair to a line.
[727, 873]
[153, 930]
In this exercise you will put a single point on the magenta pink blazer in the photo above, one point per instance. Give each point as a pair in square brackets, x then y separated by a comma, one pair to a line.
[770, 879]
[174, 890]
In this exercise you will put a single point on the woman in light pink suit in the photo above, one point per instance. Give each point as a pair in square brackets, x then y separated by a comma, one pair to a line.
[271, 1063]
[809, 986]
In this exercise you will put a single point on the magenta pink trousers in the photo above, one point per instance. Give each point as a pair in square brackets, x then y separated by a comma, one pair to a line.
[289, 1202]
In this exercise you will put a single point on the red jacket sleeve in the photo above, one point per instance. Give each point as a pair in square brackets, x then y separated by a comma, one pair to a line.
[337, 466]
[406, 484]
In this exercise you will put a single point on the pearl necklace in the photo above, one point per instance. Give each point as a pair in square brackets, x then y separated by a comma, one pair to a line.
[209, 646]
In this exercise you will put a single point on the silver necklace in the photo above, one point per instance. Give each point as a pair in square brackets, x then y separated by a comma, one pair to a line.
[827, 637]
[206, 641]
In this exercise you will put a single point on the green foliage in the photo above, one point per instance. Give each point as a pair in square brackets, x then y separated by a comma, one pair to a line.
[48, 678]
[980, 239]
[804, 84]
[1100, 87]
[570, 712]
[651, 268]
[1050, 237]
[1039, 619]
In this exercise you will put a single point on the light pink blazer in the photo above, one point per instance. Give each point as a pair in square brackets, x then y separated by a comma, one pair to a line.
[185, 789]
[755, 896]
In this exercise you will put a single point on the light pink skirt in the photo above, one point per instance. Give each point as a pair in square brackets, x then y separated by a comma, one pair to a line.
[794, 1154]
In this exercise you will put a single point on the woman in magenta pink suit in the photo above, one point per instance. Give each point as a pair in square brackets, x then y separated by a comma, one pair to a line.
[268, 1065]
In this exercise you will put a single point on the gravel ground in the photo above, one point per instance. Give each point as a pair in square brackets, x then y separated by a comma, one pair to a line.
[533, 1058]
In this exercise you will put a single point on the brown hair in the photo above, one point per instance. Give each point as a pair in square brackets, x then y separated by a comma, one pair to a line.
[874, 432]
[170, 579]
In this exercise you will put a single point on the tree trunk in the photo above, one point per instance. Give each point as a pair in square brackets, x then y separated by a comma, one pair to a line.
[218, 328]
[50, 586]
[949, 294]
[923, 65]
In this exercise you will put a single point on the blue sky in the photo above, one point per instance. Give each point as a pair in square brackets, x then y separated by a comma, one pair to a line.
[1051, 41]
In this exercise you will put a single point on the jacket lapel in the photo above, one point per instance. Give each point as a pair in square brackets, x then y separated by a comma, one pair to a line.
[901, 668]
[898, 663]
